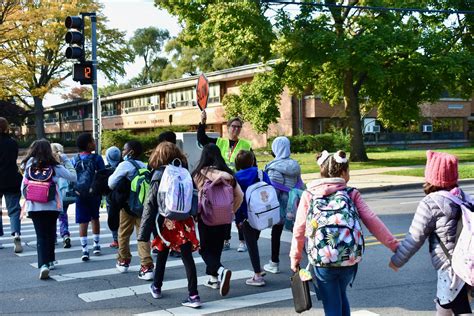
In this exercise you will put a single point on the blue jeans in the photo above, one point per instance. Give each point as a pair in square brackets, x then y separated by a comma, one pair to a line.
[332, 284]
[13, 206]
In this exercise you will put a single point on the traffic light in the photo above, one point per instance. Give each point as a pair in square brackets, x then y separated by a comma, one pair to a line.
[75, 38]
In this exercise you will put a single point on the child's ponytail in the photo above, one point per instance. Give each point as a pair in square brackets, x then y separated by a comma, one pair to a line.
[332, 165]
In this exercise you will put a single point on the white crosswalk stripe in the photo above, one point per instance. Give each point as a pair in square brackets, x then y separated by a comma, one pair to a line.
[228, 304]
[142, 289]
[103, 272]
[65, 262]
[63, 250]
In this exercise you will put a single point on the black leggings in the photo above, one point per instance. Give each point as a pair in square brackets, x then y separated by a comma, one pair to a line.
[212, 241]
[277, 230]
[251, 236]
[45, 227]
[241, 234]
[189, 266]
[460, 305]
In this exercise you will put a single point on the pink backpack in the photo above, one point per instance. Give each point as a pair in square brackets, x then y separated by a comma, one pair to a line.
[462, 260]
[216, 202]
[38, 185]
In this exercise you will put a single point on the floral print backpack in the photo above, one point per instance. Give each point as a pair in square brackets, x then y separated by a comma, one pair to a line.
[333, 231]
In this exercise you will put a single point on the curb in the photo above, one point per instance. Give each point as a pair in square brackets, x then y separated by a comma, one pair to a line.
[417, 185]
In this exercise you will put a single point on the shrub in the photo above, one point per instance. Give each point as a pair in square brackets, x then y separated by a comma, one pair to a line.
[149, 140]
[314, 143]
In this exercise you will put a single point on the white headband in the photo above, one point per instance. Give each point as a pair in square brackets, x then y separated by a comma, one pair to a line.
[322, 159]
[339, 159]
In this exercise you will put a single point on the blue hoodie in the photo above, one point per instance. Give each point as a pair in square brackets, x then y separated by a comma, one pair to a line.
[245, 178]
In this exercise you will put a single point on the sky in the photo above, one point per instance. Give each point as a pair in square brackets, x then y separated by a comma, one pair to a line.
[125, 15]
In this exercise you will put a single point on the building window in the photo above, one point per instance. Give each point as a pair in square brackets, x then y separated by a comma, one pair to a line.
[448, 125]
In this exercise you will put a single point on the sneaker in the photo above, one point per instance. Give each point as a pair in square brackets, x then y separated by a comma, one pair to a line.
[272, 267]
[212, 284]
[225, 282]
[155, 292]
[44, 272]
[114, 244]
[85, 256]
[51, 265]
[255, 281]
[122, 265]
[146, 273]
[96, 250]
[66, 242]
[17, 248]
[193, 302]
[242, 247]
[226, 245]
[154, 251]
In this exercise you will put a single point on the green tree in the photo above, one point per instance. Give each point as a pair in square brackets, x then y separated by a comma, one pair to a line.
[389, 60]
[36, 60]
[244, 35]
[148, 43]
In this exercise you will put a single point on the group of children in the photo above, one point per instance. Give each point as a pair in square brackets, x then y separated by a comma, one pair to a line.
[319, 219]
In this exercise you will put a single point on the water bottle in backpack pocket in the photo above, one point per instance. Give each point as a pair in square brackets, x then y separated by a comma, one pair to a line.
[175, 192]
[86, 169]
[294, 197]
[139, 188]
[334, 231]
[217, 201]
[39, 185]
[66, 189]
[263, 208]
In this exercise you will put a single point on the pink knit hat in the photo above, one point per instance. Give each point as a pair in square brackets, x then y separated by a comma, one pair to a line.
[441, 169]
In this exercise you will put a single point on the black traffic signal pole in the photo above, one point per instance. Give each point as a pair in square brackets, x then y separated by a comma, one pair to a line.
[85, 71]
[96, 111]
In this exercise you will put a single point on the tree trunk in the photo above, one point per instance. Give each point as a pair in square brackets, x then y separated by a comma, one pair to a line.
[351, 103]
[39, 117]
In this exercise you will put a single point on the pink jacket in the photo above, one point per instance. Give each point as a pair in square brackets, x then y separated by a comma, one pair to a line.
[326, 186]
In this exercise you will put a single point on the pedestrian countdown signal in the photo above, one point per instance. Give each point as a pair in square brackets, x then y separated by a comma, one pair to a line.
[83, 72]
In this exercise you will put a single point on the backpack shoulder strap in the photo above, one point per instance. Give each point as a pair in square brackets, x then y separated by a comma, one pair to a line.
[260, 175]
[135, 164]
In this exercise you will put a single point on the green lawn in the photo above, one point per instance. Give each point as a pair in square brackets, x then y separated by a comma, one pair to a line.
[387, 158]
[465, 172]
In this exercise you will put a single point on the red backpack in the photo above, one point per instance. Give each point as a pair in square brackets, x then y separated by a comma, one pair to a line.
[39, 185]
[216, 202]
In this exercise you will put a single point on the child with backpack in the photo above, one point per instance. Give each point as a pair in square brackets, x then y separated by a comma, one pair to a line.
[329, 216]
[134, 171]
[437, 218]
[176, 234]
[66, 190]
[219, 198]
[284, 174]
[87, 164]
[43, 202]
[113, 156]
[247, 175]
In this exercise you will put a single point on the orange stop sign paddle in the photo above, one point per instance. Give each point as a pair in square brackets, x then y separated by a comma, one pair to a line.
[202, 92]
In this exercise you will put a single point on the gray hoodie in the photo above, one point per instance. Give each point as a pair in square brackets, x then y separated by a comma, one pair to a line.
[283, 169]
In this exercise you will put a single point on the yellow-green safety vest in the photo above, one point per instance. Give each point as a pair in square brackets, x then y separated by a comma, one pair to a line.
[228, 153]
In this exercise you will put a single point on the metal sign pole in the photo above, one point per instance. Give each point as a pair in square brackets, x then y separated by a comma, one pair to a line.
[96, 125]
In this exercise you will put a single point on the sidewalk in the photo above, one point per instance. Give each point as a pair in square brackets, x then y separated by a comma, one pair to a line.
[374, 180]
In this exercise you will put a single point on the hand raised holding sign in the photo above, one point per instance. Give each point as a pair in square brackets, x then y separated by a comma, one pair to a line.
[203, 117]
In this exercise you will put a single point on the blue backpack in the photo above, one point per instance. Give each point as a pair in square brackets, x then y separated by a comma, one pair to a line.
[86, 169]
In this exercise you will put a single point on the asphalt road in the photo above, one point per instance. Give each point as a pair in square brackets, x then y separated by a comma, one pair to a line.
[95, 287]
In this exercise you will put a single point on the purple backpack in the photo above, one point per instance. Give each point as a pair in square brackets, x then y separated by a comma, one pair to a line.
[216, 202]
